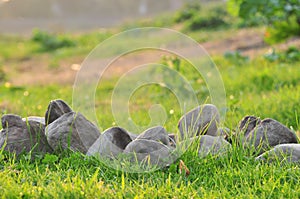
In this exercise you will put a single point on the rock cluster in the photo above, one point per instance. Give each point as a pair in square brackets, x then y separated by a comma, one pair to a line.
[62, 128]
[262, 135]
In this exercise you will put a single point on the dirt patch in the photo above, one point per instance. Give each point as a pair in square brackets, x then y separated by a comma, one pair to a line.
[36, 70]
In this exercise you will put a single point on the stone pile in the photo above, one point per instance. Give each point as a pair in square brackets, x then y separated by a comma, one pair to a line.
[62, 129]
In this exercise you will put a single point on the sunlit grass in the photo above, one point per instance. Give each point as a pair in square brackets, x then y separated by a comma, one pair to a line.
[254, 87]
[76, 176]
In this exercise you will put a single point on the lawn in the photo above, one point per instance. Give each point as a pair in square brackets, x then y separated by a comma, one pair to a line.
[255, 85]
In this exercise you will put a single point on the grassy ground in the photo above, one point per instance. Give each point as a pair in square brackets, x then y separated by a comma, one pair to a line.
[254, 86]
[75, 176]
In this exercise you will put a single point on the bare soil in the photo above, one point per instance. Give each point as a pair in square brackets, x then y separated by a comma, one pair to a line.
[36, 70]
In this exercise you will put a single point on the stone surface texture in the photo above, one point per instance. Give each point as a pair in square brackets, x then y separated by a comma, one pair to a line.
[202, 120]
[72, 131]
[23, 136]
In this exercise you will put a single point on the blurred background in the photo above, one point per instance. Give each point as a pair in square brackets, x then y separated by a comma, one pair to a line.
[21, 16]
[254, 43]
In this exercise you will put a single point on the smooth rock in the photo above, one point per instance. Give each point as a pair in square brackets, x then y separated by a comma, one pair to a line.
[213, 145]
[157, 133]
[268, 133]
[199, 121]
[133, 136]
[282, 153]
[111, 143]
[224, 132]
[247, 124]
[56, 108]
[10, 120]
[35, 118]
[149, 151]
[72, 131]
[20, 136]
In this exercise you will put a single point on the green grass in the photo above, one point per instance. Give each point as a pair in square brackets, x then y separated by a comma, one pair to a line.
[14, 48]
[253, 87]
[72, 175]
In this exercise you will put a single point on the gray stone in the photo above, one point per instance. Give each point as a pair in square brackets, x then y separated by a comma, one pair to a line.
[72, 131]
[133, 136]
[149, 151]
[157, 133]
[10, 120]
[247, 124]
[268, 133]
[199, 121]
[224, 132]
[282, 153]
[35, 118]
[213, 145]
[111, 143]
[55, 109]
[19, 136]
